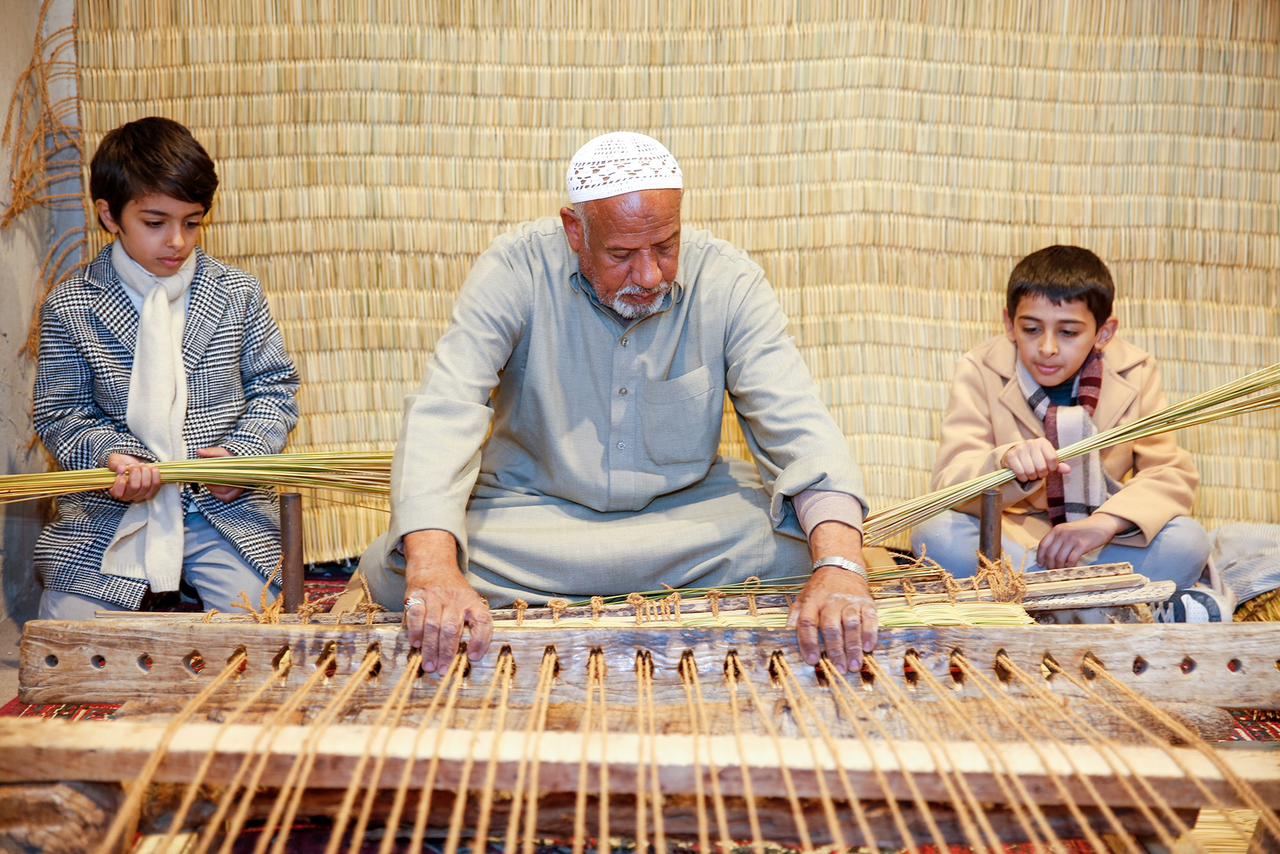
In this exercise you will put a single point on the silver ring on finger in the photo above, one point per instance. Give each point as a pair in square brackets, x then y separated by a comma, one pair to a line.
[410, 601]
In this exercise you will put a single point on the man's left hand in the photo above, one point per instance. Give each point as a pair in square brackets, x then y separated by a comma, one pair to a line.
[222, 493]
[835, 610]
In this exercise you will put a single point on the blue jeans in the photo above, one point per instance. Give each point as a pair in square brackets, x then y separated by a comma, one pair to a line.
[210, 564]
[1178, 553]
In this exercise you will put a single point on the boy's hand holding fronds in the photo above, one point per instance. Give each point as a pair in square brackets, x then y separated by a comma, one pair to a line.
[136, 479]
[1034, 459]
[222, 493]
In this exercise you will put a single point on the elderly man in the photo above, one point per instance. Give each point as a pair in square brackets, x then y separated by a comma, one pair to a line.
[564, 440]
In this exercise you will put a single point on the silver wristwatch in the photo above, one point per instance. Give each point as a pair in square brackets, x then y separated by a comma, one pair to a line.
[842, 563]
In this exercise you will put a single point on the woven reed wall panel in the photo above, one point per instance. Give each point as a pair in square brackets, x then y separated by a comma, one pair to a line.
[886, 162]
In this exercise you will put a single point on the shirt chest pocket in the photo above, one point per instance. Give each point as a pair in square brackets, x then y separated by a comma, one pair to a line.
[681, 418]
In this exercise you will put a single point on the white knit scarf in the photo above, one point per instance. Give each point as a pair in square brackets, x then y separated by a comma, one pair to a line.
[148, 545]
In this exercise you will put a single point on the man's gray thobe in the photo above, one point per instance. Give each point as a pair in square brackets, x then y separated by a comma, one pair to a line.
[572, 453]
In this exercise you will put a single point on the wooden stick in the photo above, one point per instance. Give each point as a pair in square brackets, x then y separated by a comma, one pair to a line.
[293, 575]
[989, 544]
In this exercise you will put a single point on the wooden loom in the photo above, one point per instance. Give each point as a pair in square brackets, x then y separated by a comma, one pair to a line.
[656, 733]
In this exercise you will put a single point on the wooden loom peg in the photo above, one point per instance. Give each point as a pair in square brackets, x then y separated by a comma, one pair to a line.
[292, 574]
[989, 534]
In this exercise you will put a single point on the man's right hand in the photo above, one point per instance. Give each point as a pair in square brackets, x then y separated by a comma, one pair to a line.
[439, 602]
[136, 479]
[1034, 459]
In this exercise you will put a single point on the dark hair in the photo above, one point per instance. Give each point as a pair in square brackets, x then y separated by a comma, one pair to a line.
[151, 155]
[1063, 274]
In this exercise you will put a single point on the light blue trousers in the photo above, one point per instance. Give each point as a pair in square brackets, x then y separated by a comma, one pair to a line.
[1178, 553]
[210, 564]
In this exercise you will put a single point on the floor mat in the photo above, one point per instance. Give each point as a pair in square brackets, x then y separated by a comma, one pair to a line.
[1256, 724]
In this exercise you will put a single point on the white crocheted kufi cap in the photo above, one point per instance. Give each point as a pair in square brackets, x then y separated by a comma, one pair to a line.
[621, 162]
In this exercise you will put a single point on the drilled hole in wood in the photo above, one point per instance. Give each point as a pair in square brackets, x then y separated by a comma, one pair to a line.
[507, 653]
[596, 654]
[1187, 664]
[688, 664]
[909, 673]
[954, 668]
[820, 672]
[733, 667]
[329, 658]
[279, 657]
[375, 649]
[52, 661]
[555, 660]
[1000, 669]
[194, 662]
[145, 663]
[98, 662]
[775, 670]
[1049, 667]
[1234, 665]
[1139, 666]
[868, 675]
[244, 662]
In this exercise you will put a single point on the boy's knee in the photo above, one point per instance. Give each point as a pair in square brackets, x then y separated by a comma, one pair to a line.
[951, 540]
[1187, 536]
[1183, 547]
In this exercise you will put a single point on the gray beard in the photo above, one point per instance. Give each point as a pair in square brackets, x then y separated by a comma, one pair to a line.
[630, 311]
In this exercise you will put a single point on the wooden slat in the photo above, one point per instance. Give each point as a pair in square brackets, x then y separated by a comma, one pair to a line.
[34, 750]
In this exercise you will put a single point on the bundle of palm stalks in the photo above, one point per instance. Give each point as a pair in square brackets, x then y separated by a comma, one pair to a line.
[892, 616]
[367, 473]
[370, 473]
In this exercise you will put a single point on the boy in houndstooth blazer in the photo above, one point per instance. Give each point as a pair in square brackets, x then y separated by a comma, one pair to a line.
[156, 351]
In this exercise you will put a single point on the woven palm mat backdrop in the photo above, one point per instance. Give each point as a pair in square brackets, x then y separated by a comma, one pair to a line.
[886, 162]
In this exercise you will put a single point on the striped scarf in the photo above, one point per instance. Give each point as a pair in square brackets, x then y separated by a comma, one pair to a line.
[1081, 492]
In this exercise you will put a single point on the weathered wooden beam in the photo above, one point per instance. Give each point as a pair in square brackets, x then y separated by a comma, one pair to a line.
[989, 526]
[151, 658]
[35, 750]
[292, 571]
[56, 817]
[557, 813]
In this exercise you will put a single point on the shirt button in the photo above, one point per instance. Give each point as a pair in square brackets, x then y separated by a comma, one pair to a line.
[623, 391]
[623, 341]
[622, 446]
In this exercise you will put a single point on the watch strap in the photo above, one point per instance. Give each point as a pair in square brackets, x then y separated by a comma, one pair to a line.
[841, 563]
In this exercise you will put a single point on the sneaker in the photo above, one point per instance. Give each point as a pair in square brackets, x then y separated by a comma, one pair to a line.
[1198, 604]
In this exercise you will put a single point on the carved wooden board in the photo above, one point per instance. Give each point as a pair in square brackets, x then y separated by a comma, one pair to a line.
[152, 658]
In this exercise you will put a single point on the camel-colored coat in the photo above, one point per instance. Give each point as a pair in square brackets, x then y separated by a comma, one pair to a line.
[987, 415]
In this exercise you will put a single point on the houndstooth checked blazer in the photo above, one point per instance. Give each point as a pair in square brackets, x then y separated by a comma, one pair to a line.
[241, 386]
